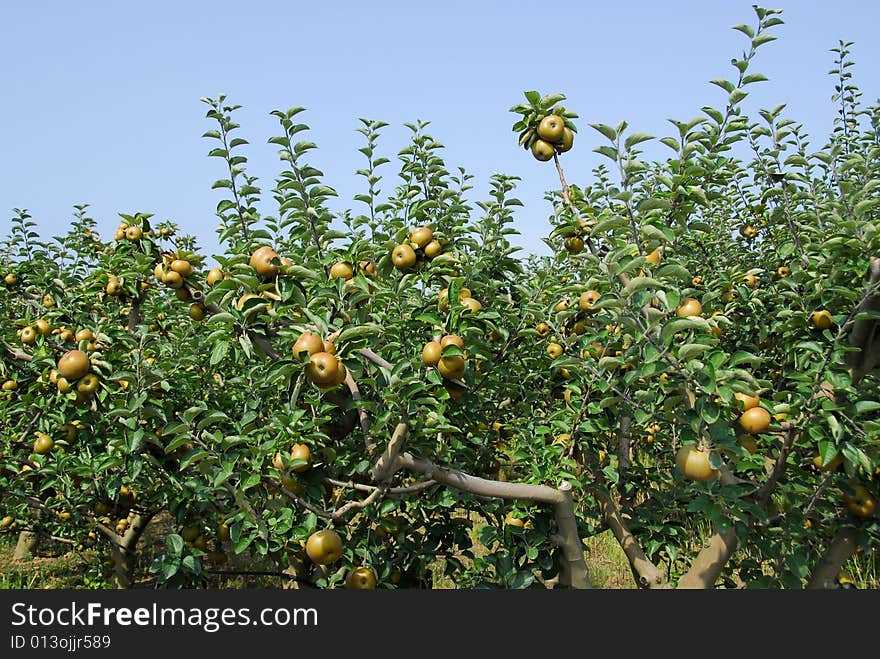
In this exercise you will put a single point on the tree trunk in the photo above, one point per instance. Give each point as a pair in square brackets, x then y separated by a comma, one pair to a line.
[124, 554]
[26, 545]
[709, 563]
[839, 552]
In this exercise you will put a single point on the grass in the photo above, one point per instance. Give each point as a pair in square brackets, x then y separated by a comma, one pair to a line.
[66, 569]
[607, 564]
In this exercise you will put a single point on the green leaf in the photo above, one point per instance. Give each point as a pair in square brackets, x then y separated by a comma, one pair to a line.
[745, 29]
[359, 331]
[218, 353]
[681, 325]
[639, 283]
[865, 406]
[607, 131]
[653, 204]
[761, 39]
[690, 350]
[741, 356]
[222, 317]
[737, 95]
[169, 569]
[607, 151]
[174, 542]
[301, 272]
[636, 138]
[726, 85]
[609, 224]
[674, 272]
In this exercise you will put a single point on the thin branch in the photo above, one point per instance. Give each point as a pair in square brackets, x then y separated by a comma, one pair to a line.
[376, 359]
[376, 495]
[363, 417]
[391, 491]
[17, 353]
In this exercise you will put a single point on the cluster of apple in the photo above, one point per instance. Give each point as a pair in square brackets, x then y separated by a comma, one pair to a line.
[553, 137]
[128, 232]
[345, 270]
[325, 368]
[450, 365]
[464, 298]
[301, 454]
[74, 369]
[173, 272]
[422, 245]
[42, 327]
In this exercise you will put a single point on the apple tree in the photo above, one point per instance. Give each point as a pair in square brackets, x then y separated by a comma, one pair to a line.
[390, 396]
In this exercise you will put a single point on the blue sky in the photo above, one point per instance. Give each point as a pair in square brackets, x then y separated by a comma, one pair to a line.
[101, 99]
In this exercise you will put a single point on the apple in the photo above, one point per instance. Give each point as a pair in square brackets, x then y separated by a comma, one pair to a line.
[43, 327]
[323, 369]
[451, 366]
[452, 340]
[172, 279]
[746, 401]
[822, 319]
[431, 353]
[755, 420]
[689, 307]
[301, 452]
[574, 244]
[43, 444]
[88, 384]
[261, 262]
[567, 140]
[403, 257]
[421, 236]
[551, 128]
[433, 249]
[341, 270]
[324, 547]
[693, 462]
[307, 342]
[833, 463]
[361, 578]
[471, 304]
[588, 299]
[861, 503]
[28, 335]
[542, 150]
[215, 276]
[74, 364]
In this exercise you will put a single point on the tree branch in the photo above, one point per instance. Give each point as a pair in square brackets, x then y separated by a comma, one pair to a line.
[841, 549]
[385, 463]
[573, 568]
[707, 565]
[644, 571]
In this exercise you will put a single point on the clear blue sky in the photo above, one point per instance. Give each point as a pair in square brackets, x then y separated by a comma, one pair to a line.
[101, 99]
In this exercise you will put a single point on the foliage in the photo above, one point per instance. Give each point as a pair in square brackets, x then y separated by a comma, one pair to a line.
[197, 417]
